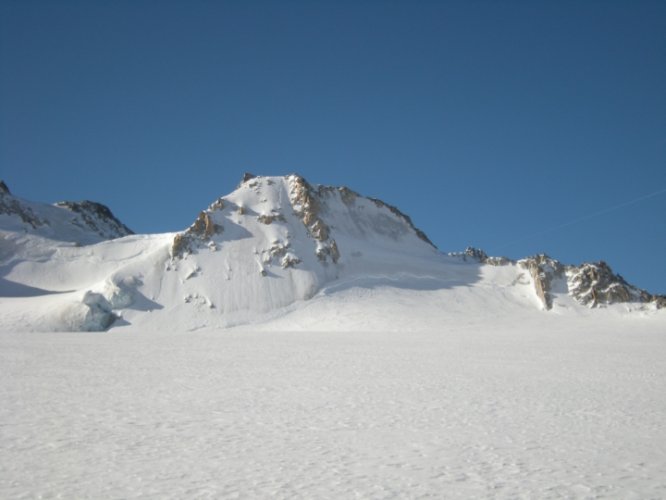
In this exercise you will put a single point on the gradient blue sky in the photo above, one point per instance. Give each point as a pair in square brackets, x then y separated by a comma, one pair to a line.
[491, 123]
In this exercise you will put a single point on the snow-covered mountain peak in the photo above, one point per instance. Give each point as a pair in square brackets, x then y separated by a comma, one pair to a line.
[83, 222]
[330, 220]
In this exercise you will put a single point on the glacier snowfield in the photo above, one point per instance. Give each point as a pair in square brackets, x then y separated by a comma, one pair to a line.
[544, 408]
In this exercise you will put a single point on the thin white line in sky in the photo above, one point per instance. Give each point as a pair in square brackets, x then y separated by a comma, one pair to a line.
[585, 217]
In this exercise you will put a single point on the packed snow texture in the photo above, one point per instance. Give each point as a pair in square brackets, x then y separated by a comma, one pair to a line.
[572, 408]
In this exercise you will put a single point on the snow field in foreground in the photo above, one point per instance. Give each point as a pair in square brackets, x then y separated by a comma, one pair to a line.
[546, 410]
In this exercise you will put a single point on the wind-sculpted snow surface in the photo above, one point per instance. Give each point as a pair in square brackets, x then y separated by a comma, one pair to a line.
[517, 408]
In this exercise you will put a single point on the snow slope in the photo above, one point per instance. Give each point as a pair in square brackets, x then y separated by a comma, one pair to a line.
[277, 247]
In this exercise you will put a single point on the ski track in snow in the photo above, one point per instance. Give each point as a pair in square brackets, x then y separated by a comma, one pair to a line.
[543, 410]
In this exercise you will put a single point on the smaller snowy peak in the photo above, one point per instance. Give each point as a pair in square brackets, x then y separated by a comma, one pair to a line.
[81, 222]
[13, 207]
[590, 284]
[98, 218]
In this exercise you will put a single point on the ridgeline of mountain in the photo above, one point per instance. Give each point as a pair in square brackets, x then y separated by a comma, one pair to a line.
[83, 222]
[590, 284]
[271, 248]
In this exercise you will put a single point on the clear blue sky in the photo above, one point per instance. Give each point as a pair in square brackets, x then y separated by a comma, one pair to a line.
[491, 123]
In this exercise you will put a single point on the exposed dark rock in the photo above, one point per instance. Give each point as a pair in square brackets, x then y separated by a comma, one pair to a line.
[480, 256]
[97, 217]
[591, 284]
[543, 270]
[3, 188]
[290, 260]
[11, 206]
[270, 218]
[217, 205]
[180, 245]
[306, 206]
[200, 232]
[595, 284]
[247, 176]
[348, 196]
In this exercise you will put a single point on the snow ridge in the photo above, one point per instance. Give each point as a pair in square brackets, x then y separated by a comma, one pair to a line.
[590, 284]
[83, 222]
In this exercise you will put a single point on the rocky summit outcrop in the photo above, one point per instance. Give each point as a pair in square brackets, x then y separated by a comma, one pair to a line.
[97, 217]
[590, 284]
[595, 284]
